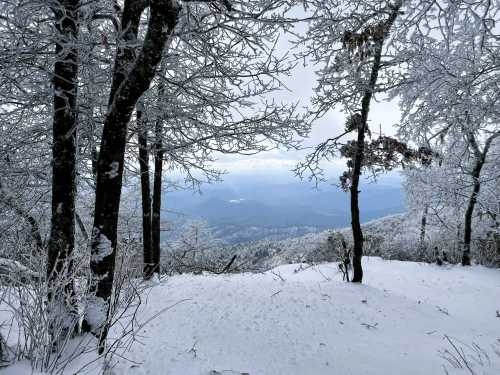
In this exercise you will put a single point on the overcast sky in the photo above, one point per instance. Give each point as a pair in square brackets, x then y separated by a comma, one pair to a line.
[280, 162]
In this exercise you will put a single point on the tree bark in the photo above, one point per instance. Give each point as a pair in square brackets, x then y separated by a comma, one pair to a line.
[142, 136]
[357, 232]
[127, 49]
[62, 228]
[476, 173]
[423, 225]
[157, 188]
[163, 18]
[358, 157]
[480, 157]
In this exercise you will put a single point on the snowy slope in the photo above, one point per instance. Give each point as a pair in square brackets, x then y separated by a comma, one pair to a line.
[296, 320]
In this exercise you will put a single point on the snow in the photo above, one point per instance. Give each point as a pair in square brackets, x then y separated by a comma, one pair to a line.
[113, 172]
[12, 268]
[303, 320]
[103, 249]
[96, 311]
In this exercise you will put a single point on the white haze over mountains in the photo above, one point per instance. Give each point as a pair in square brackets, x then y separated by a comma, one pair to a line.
[260, 197]
[251, 206]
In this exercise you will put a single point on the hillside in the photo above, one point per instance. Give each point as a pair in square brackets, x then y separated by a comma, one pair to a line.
[297, 320]
[313, 247]
[393, 237]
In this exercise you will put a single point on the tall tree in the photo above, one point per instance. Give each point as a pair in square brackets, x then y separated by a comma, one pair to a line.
[142, 138]
[451, 95]
[62, 231]
[348, 38]
[211, 95]
[134, 82]
[157, 195]
[479, 161]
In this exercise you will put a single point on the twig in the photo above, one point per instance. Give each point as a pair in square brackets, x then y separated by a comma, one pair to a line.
[278, 292]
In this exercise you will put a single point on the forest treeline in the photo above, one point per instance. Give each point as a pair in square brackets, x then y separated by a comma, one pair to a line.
[101, 93]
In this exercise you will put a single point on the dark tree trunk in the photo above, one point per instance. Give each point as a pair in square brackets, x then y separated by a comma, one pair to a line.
[357, 233]
[62, 228]
[163, 18]
[156, 222]
[95, 156]
[358, 157]
[112, 142]
[358, 160]
[423, 225]
[127, 45]
[142, 135]
[476, 173]
[480, 157]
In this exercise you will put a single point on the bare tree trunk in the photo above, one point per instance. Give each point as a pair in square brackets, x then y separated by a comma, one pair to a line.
[358, 157]
[95, 156]
[126, 53]
[62, 229]
[357, 232]
[112, 146]
[142, 136]
[423, 225]
[480, 157]
[476, 173]
[157, 189]
[163, 18]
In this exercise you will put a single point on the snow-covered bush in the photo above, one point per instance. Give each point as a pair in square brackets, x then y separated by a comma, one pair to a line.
[196, 250]
[330, 251]
[488, 249]
[33, 328]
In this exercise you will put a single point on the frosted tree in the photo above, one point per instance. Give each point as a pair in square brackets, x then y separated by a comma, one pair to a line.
[46, 56]
[40, 42]
[198, 112]
[65, 118]
[26, 109]
[129, 82]
[348, 39]
[452, 93]
[211, 96]
[197, 250]
[441, 194]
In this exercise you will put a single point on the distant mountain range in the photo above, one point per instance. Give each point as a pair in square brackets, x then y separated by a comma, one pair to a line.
[248, 209]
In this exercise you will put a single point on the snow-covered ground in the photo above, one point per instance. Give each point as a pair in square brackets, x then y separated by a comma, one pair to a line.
[300, 320]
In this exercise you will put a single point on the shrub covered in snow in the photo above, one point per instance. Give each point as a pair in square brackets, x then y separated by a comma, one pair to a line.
[196, 250]
[396, 237]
